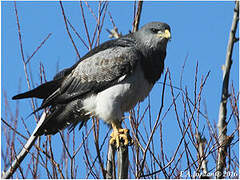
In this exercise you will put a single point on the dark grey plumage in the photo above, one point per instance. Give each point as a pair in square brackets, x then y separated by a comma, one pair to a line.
[77, 92]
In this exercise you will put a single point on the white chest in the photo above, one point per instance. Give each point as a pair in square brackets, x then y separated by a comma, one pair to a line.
[111, 103]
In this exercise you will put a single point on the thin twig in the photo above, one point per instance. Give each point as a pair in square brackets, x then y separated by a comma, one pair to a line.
[85, 25]
[39, 47]
[78, 35]
[69, 34]
[154, 128]
[96, 142]
[13, 129]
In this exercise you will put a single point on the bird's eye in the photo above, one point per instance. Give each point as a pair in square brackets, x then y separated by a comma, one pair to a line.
[154, 30]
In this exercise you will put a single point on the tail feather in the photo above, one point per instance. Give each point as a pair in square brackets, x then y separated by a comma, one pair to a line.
[42, 91]
[62, 116]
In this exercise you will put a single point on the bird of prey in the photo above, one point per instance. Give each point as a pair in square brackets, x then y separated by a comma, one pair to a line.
[108, 81]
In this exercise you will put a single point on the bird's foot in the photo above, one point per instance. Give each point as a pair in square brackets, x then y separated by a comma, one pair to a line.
[120, 137]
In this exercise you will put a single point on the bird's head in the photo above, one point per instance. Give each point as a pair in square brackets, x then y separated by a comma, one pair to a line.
[154, 36]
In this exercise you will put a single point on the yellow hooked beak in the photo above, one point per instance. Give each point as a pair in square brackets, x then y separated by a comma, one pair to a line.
[166, 34]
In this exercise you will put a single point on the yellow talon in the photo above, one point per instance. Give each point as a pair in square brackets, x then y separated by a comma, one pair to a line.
[120, 135]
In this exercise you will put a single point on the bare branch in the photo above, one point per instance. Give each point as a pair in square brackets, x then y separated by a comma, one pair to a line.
[201, 142]
[24, 151]
[137, 16]
[222, 124]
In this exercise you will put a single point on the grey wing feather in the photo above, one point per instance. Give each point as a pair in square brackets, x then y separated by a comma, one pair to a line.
[95, 74]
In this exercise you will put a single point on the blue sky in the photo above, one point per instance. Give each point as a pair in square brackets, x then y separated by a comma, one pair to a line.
[200, 32]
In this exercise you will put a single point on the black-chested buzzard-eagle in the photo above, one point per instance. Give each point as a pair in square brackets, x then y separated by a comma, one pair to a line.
[108, 81]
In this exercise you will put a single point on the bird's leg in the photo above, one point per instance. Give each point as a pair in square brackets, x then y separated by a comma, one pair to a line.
[120, 135]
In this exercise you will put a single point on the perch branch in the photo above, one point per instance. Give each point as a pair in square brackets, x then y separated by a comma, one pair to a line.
[110, 174]
[122, 162]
